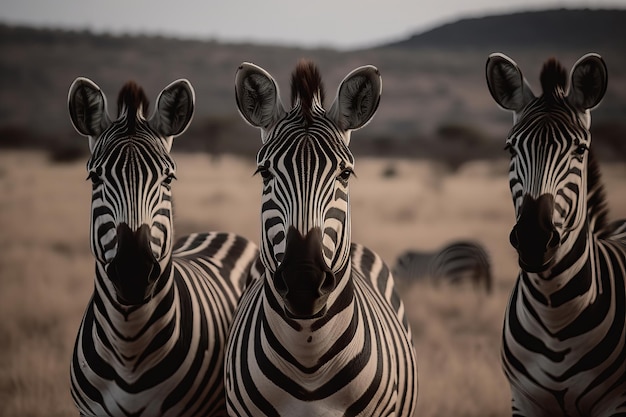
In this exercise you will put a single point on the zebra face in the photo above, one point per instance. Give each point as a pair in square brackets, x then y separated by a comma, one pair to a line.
[305, 218]
[548, 188]
[306, 165]
[131, 172]
[131, 210]
[549, 145]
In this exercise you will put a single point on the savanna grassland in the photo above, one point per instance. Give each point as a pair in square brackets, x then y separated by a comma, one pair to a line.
[46, 266]
[435, 106]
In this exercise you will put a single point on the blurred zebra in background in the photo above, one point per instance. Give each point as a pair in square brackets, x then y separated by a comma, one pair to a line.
[455, 263]
[151, 342]
[564, 333]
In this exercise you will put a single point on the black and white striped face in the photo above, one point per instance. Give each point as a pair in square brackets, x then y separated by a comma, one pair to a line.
[131, 172]
[305, 173]
[306, 166]
[549, 145]
[131, 178]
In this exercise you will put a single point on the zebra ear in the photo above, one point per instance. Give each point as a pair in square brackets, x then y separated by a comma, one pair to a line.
[174, 109]
[88, 108]
[588, 82]
[357, 98]
[507, 85]
[258, 99]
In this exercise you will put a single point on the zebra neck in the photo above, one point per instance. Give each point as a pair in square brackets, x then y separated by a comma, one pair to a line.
[309, 344]
[560, 294]
[130, 329]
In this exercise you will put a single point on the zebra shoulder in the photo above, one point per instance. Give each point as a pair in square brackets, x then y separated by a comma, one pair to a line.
[374, 270]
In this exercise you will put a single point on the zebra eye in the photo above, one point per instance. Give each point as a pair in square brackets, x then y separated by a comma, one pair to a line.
[581, 149]
[510, 149]
[169, 178]
[265, 173]
[94, 176]
[345, 174]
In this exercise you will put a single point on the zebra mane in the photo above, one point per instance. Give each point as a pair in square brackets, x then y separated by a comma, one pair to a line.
[553, 78]
[306, 85]
[597, 210]
[133, 98]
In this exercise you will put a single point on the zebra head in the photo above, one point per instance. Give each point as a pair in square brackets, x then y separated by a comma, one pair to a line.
[549, 145]
[131, 171]
[306, 165]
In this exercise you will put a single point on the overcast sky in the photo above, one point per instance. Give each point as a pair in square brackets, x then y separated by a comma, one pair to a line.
[339, 24]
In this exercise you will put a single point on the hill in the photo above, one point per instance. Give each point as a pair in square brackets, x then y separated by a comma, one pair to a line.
[550, 29]
[435, 102]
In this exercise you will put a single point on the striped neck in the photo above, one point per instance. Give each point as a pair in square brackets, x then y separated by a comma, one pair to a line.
[305, 341]
[561, 293]
[138, 329]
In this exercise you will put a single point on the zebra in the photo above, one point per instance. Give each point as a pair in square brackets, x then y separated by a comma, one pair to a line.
[455, 263]
[322, 331]
[152, 338]
[563, 343]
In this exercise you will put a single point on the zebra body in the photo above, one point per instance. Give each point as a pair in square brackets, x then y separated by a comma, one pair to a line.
[322, 331]
[455, 263]
[151, 341]
[564, 336]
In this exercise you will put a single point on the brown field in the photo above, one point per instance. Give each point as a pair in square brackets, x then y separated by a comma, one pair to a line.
[46, 265]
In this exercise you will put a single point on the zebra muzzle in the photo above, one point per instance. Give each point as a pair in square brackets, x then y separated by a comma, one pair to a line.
[534, 236]
[303, 280]
[134, 269]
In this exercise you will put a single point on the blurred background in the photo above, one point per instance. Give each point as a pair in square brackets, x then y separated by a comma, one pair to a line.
[430, 166]
[435, 102]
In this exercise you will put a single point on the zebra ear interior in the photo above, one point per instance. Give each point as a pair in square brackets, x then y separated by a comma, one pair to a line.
[174, 109]
[357, 98]
[588, 82]
[257, 95]
[88, 108]
[507, 85]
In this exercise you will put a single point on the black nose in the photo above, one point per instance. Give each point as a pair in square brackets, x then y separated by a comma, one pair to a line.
[303, 279]
[534, 236]
[553, 242]
[134, 268]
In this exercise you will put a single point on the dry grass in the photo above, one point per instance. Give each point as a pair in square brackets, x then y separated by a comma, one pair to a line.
[46, 267]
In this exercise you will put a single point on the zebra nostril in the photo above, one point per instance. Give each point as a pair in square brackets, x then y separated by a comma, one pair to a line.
[328, 284]
[555, 240]
[279, 284]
